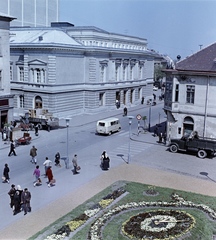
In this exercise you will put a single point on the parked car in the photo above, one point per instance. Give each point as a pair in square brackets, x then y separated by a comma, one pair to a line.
[202, 146]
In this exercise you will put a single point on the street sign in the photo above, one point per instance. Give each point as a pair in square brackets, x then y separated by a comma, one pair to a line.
[138, 117]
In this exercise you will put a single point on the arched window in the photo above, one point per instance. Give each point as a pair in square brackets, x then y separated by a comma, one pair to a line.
[38, 102]
[188, 126]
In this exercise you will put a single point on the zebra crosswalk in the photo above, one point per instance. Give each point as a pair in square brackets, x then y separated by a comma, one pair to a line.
[135, 149]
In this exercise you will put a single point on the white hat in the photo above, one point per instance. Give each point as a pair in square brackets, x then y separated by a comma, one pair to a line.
[19, 187]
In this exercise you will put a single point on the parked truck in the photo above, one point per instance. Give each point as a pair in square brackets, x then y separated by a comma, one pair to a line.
[193, 143]
[40, 117]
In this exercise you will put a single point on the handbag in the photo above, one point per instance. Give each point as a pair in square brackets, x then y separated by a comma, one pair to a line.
[53, 180]
[78, 168]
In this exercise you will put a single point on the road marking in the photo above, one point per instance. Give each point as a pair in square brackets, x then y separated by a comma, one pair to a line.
[135, 148]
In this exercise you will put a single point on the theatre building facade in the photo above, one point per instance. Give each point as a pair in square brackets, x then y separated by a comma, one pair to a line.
[71, 70]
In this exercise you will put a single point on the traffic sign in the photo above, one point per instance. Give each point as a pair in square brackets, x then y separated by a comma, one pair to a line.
[138, 117]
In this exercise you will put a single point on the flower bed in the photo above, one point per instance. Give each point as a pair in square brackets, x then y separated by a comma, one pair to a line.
[75, 223]
[159, 224]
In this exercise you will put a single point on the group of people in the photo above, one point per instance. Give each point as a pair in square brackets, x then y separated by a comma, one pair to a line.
[162, 137]
[19, 199]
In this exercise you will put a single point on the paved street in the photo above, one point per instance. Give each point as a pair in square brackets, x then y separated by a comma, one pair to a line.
[150, 163]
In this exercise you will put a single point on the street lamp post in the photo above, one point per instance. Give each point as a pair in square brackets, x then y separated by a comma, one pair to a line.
[67, 157]
[130, 122]
[149, 117]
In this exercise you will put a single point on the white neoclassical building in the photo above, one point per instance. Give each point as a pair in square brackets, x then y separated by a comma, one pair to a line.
[31, 13]
[68, 69]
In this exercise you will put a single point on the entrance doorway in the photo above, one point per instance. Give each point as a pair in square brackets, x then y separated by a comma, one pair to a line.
[38, 102]
[188, 126]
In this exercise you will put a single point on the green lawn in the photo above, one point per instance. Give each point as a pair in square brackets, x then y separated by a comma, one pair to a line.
[204, 227]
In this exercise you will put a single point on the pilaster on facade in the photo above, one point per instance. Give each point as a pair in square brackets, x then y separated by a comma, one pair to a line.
[51, 66]
[26, 69]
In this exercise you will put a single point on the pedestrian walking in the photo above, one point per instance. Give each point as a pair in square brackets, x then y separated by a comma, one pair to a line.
[36, 129]
[47, 163]
[25, 200]
[36, 173]
[105, 161]
[57, 159]
[51, 180]
[33, 154]
[125, 111]
[164, 138]
[6, 178]
[160, 136]
[75, 165]
[12, 149]
[11, 193]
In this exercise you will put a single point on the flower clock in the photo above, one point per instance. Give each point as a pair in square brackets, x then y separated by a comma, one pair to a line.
[160, 224]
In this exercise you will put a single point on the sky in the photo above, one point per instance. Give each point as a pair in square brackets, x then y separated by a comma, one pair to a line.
[171, 27]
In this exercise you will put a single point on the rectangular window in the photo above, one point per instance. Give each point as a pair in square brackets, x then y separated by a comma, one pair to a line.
[21, 99]
[177, 93]
[0, 78]
[190, 94]
[11, 72]
[123, 74]
[101, 99]
[1, 45]
[168, 94]
[102, 77]
[117, 73]
[21, 74]
[140, 72]
[38, 75]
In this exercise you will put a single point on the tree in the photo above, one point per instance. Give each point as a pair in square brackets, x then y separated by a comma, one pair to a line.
[144, 118]
[158, 74]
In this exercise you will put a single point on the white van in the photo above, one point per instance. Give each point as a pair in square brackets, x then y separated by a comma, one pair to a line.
[108, 126]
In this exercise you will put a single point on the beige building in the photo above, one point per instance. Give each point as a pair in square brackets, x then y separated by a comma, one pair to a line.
[6, 98]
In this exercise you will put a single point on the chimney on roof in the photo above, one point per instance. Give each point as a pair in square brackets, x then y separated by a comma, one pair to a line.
[61, 24]
[40, 38]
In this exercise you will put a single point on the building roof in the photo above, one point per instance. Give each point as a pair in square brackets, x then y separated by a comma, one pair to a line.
[40, 36]
[202, 61]
[6, 17]
[78, 37]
